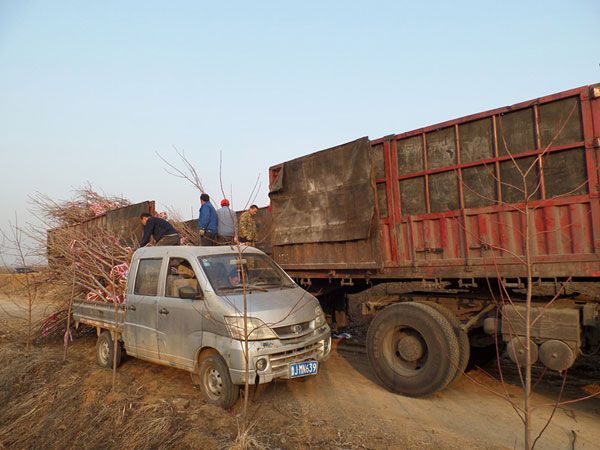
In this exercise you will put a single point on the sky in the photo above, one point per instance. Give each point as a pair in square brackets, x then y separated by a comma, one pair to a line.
[92, 91]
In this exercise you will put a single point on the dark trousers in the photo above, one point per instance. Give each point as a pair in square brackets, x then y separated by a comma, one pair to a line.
[209, 239]
[243, 240]
[171, 239]
[224, 240]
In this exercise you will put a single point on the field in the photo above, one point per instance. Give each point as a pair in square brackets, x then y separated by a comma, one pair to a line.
[50, 404]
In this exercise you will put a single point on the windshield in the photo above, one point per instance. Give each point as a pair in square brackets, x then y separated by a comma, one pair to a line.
[260, 273]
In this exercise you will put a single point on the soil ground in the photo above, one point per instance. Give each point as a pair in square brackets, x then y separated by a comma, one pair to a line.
[46, 403]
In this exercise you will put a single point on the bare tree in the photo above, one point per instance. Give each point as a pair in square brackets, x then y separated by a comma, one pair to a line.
[521, 325]
[244, 439]
[16, 252]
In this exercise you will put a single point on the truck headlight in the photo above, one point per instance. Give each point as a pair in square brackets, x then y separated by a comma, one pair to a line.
[320, 317]
[257, 329]
[261, 364]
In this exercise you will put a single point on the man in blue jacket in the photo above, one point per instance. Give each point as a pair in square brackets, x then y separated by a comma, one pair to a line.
[207, 221]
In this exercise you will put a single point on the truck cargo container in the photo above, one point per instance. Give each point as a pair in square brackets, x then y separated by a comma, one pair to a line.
[122, 222]
[445, 205]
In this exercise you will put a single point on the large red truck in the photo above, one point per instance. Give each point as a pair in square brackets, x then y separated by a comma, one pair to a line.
[480, 207]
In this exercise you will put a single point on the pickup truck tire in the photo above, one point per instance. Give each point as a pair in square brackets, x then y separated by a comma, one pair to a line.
[105, 350]
[413, 349]
[215, 381]
[464, 345]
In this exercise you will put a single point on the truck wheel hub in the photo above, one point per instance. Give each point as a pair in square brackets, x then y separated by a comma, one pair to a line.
[214, 382]
[104, 351]
[410, 348]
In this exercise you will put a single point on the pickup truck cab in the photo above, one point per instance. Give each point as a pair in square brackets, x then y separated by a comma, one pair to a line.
[184, 307]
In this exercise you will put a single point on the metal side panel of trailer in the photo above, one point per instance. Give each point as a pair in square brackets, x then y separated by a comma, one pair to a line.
[123, 222]
[448, 199]
[323, 211]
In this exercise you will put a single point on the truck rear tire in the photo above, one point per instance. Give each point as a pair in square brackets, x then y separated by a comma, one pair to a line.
[413, 349]
[215, 381]
[464, 346]
[105, 350]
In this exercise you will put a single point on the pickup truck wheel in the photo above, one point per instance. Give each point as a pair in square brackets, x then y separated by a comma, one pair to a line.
[215, 382]
[105, 350]
[463, 339]
[413, 349]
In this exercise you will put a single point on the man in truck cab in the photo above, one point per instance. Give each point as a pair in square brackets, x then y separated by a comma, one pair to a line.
[162, 231]
[234, 278]
[180, 274]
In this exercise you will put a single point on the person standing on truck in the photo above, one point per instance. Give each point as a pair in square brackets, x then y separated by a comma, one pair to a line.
[227, 223]
[207, 221]
[162, 231]
[247, 232]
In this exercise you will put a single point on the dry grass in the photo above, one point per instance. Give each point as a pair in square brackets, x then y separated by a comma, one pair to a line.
[247, 438]
[13, 283]
[47, 404]
[50, 404]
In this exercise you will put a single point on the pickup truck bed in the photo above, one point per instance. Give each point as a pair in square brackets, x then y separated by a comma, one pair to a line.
[99, 314]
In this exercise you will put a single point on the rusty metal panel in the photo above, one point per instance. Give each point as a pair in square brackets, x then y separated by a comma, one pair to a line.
[553, 230]
[558, 230]
[382, 200]
[516, 132]
[412, 196]
[565, 173]
[476, 140]
[326, 196]
[123, 222]
[510, 238]
[479, 186]
[334, 255]
[443, 191]
[436, 240]
[476, 234]
[410, 155]
[441, 148]
[560, 122]
[378, 160]
[404, 248]
[519, 177]
[327, 256]
[581, 228]
[538, 237]
[426, 234]
[548, 323]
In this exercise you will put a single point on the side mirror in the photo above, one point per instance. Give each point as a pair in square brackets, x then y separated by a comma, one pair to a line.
[189, 293]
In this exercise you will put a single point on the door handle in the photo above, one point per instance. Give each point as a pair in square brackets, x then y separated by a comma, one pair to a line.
[164, 311]
[131, 307]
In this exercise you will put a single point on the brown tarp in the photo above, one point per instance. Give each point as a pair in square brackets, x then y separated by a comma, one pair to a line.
[324, 197]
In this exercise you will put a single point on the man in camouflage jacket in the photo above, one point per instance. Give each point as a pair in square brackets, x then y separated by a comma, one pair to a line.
[247, 232]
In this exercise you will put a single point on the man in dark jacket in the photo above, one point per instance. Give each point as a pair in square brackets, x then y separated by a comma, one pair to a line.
[207, 221]
[161, 230]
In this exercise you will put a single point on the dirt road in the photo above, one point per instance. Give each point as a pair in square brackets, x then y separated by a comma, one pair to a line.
[51, 405]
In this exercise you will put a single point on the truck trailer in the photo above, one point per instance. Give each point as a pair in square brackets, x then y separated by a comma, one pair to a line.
[482, 215]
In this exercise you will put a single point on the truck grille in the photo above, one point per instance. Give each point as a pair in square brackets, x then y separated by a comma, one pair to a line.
[281, 361]
[293, 331]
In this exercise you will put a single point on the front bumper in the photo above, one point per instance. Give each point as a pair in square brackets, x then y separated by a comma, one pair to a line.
[279, 354]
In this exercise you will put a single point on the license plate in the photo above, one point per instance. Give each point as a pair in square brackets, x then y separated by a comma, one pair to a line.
[303, 369]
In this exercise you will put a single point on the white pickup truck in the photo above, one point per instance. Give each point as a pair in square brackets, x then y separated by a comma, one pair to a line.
[184, 307]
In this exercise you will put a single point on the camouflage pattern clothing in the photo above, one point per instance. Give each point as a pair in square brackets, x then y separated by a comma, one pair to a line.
[247, 228]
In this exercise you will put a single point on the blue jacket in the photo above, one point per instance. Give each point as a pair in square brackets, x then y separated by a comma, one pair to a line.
[207, 219]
